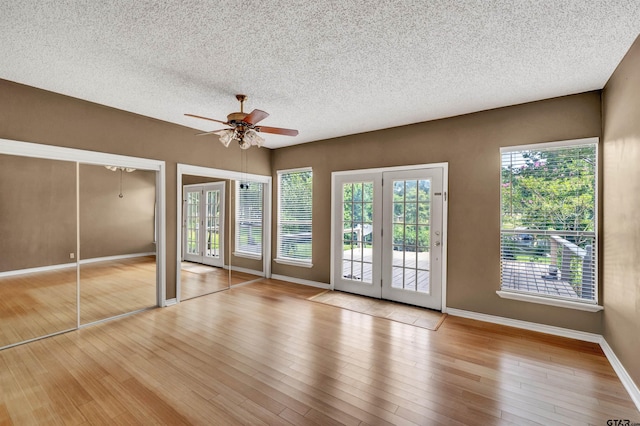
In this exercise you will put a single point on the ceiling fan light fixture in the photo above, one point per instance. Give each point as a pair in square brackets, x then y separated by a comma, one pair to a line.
[253, 138]
[226, 136]
[244, 144]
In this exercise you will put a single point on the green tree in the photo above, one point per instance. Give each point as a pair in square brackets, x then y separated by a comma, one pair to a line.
[551, 190]
[411, 210]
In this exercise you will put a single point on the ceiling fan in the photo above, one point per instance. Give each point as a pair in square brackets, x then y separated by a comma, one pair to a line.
[243, 127]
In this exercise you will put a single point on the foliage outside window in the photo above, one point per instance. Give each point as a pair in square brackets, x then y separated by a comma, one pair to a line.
[548, 220]
[295, 190]
[411, 213]
[249, 218]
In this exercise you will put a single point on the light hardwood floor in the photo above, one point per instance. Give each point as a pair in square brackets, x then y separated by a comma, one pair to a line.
[197, 280]
[263, 354]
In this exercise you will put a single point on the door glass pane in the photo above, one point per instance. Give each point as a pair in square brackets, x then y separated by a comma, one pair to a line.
[38, 275]
[213, 224]
[357, 225]
[193, 222]
[411, 235]
[117, 241]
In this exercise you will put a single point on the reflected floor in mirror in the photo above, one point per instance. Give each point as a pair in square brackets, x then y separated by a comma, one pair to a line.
[197, 279]
[37, 304]
[116, 287]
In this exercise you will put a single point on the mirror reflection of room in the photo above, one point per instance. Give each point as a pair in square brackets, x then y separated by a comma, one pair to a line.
[117, 241]
[215, 256]
[38, 248]
[72, 258]
[204, 232]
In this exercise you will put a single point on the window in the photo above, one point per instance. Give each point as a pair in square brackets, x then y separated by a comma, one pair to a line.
[294, 216]
[548, 220]
[249, 219]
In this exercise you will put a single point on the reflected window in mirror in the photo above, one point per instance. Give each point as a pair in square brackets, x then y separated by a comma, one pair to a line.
[248, 226]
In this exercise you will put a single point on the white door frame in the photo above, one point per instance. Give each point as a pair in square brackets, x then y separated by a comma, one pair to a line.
[203, 188]
[445, 208]
[186, 169]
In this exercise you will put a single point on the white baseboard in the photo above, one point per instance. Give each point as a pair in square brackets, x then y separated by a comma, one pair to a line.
[170, 302]
[625, 378]
[72, 265]
[35, 270]
[301, 281]
[526, 325]
[118, 257]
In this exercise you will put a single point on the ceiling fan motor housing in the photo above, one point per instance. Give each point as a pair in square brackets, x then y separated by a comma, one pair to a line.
[236, 117]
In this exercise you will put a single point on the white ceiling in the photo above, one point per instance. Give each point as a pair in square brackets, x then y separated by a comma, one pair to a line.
[326, 68]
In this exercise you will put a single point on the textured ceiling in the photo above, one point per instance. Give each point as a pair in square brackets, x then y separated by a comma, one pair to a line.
[327, 68]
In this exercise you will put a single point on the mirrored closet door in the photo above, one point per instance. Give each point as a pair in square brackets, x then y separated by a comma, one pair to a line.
[117, 241]
[80, 241]
[224, 242]
[38, 291]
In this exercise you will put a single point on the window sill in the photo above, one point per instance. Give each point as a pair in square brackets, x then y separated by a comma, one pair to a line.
[292, 262]
[247, 255]
[588, 307]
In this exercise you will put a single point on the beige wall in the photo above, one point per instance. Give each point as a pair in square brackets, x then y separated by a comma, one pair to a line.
[34, 115]
[621, 201]
[470, 144]
[110, 225]
[37, 212]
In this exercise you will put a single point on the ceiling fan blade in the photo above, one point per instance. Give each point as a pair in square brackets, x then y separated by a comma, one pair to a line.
[206, 118]
[277, 131]
[255, 116]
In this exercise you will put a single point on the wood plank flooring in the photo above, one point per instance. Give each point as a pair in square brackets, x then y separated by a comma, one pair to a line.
[263, 354]
[113, 288]
[197, 280]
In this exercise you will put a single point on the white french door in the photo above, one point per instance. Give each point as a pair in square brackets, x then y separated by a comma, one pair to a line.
[203, 223]
[388, 240]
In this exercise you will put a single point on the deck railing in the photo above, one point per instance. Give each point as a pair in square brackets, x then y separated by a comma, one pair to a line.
[575, 264]
[561, 263]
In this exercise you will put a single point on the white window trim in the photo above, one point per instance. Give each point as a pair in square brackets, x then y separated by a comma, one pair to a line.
[247, 255]
[286, 260]
[583, 305]
[549, 300]
[291, 262]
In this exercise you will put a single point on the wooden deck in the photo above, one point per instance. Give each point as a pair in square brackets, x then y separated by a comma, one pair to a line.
[534, 277]
[357, 264]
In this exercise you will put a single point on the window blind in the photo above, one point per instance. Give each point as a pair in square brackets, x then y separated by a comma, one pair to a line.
[294, 214]
[548, 221]
[249, 196]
